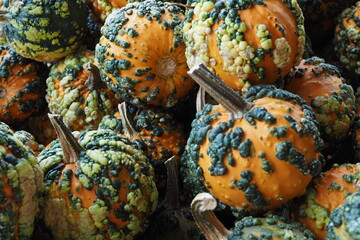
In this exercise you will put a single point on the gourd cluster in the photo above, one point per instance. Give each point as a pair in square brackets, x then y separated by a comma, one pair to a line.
[198, 119]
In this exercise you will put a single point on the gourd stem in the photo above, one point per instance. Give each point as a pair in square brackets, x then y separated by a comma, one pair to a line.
[70, 146]
[202, 208]
[129, 130]
[3, 17]
[222, 93]
[172, 188]
[200, 99]
[94, 81]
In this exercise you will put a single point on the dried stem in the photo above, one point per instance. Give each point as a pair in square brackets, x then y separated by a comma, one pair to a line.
[202, 208]
[222, 93]
[172, 184]
[94, 81]
[70, 146]
[129, 130]
[200, 99]
[3, 15]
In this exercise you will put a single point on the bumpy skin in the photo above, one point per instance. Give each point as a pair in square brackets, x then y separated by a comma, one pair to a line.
[21, 182]
[22, 86]
[344, 220]
[245, 42]
[141, 54]
[322, 87]
[29, 140]
[258, 162]
[108, 194]
[68, 93]
[355, 133]
[270, 227]
[46, 30]
[326, 193]
[347, 38]
[159, 135]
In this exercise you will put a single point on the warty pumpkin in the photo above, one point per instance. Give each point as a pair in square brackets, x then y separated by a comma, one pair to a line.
[29, 140]
[141, 54]
[76, 92]
[21, 184]
[320, 84]
[254, 157]
[325, 193]
[245, 42]
[22, 87]
[45, 30]
[97, 185]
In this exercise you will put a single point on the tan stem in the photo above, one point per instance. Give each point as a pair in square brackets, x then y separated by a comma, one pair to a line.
[129, 130]
[94, 81]
[69, 145]
[3, 15]
[202, 208]
[172, 184]
[222, 93]
[200, 99]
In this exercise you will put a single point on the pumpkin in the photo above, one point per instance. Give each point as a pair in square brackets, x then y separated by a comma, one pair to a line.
[320, 84]
[346, 40]
[344, 220]
[96, 187]
[21, 183]
[355, 134]
[269, 227]
[29, 140]
[102, 8]
[326, 192]
[245, 42]
[141, 54]
[45, 30]
[254, 157]
[22, 87]
[154, 131]
[76, 92]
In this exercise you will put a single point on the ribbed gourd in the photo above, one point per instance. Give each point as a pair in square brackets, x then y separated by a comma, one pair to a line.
[97, 186]
[29, 140]
[245, 42]
[320, 84]
[325, 193]
[253, 155]
[141, 54]
[76, 92]
[347, 40]
[45, 30]
[21, 184]
[270, 226]
[22, 87]
[344, 220]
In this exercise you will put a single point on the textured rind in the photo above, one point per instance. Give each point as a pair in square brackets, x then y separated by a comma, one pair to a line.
[245, 42]
[141, 54]
[270, 227]
[21, 183]
[347, 38]
[46, 30]
[108, 194]
[69, 95]
[344, 220]
[22, 86]
[229, 148]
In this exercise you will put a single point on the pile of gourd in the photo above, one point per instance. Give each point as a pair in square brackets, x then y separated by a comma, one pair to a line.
[205, 119]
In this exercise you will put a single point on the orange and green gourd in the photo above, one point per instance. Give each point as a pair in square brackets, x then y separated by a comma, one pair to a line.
[29, 140]
[320, 84]
[255, 157]
[245, 42]
[45, 30]
[21, 184]
[269, 227]
[344, 220]
[77, 93]
[22, 86]
[347, 38]
[326, 192]
[141, 54]
[97, 186]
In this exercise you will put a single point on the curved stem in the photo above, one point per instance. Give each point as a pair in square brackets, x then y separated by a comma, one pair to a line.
[70, 146]
[200, 99]
[202, 208]
[172, 184]
[94, 81]
[129, 130]
[222, 93]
